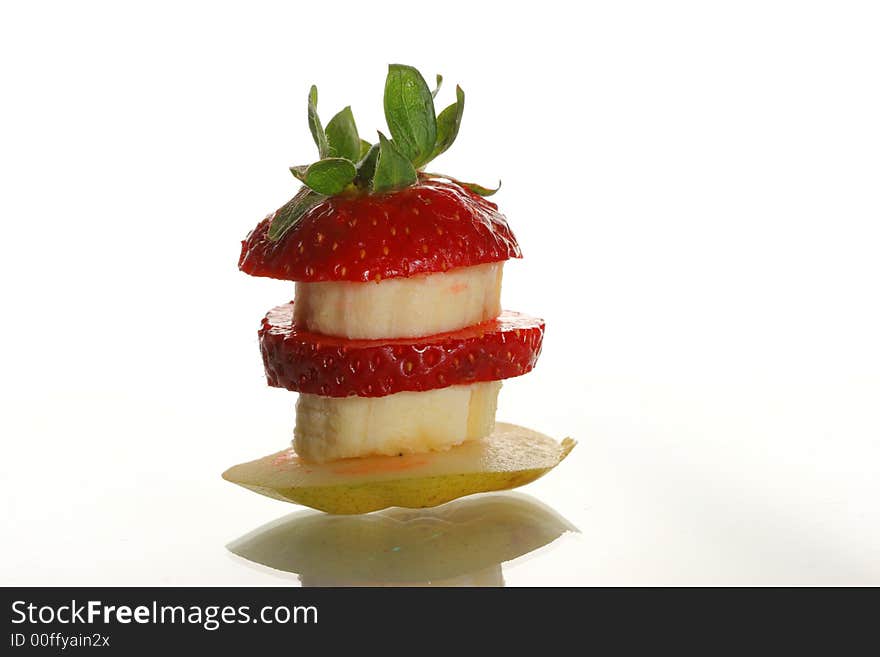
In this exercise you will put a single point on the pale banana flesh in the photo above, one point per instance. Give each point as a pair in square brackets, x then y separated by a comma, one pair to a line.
[331, 428]
[401, 307]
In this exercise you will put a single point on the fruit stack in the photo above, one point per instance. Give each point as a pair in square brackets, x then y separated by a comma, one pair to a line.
[395, 340]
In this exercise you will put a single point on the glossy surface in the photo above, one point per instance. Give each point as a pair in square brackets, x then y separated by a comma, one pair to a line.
[712, 316]
[335, 367]
[462, 543]
[511, 456]
[431, 227]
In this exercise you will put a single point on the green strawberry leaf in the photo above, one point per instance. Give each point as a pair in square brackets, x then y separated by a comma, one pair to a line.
[318, 133]
[349, 163]
[299, 171]
[366, 168]
[328, 176]
[365, 148]
[393, 169]
[448, 124]
[474, 187]
[409, 111]
[479, 189]
[342, 136]
[289, 214]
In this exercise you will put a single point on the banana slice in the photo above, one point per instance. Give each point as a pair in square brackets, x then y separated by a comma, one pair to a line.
[332, 428]
[401, 307]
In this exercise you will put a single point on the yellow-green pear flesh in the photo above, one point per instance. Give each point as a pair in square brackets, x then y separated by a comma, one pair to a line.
[509, 457]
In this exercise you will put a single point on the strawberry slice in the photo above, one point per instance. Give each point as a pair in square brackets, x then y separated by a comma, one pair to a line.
[429, 227]
[336, 367]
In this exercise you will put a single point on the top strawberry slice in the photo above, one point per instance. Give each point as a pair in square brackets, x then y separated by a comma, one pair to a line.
[429, 227]
[370, 211]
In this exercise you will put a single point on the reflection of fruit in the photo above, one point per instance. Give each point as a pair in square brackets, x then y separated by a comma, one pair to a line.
[336, 367]
[511, 456]
[401, 307]
[329, 428]
[461, 543]
[491, 576]
[430, 227]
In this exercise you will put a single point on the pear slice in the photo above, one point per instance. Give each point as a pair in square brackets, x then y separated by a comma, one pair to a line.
[510, 456]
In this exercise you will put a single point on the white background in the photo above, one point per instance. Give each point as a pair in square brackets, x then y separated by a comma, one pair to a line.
[695, 187]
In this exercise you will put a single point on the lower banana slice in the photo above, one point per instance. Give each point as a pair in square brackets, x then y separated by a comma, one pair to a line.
[332, 428]
[509, 457]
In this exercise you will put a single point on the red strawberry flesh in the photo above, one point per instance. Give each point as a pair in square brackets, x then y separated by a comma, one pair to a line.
[430, 227]
[313, 363]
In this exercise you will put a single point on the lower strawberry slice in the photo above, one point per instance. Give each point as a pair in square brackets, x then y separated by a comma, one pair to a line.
[313, 363]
